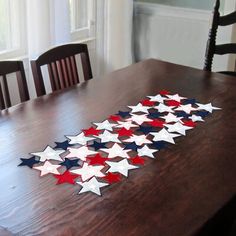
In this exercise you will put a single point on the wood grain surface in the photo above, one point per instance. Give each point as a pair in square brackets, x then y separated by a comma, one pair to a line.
[175, 194]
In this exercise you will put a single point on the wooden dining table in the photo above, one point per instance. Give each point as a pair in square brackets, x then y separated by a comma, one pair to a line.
[174, 194]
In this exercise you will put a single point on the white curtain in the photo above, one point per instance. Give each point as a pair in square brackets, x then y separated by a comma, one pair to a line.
[117, 34]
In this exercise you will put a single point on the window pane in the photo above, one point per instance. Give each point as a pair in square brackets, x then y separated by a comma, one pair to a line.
[4, 25]
[78, 14]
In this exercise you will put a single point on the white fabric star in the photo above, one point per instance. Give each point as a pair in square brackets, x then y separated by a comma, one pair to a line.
[126, 124]
[157, 98]
[105, 125]
[146, 151]
[164, 135]
[139, 108]
[107, 136]
[138, 139]
[79, 139]
[48, 168]
[163, 108]
[175, 97]
[139, 119]
[115, 151]
[49, 154]
[179, 128]
[186, 108]
[92, 186]
[87, 171]
[171, 118]
[195, 118]
[122, 167]
[81, 152]
[207, 107]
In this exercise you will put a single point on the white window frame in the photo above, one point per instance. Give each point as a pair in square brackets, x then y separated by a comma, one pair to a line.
[89, 31]
[18, 30]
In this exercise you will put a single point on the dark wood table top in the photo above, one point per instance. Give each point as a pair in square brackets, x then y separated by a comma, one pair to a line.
[174, 194]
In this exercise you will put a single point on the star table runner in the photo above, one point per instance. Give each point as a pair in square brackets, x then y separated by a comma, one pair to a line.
[106, 152]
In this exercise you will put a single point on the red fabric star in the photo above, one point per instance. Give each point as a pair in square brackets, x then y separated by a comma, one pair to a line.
[173, 103]
[91, 131]
[97, 160]
[114, 118]
[112, 177]
[66, 177]
[125, 132]
[137, 160]
[164, 92]
[157, 123]
[147, 102]
[189, 123]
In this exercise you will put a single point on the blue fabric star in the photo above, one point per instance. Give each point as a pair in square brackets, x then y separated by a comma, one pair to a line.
[96, 145]
[29, 162]
[159, 145]
[123, 114]
[189, 101]
[145, 129]
[133, 146]
[182, 114]
[154, 115]
[63, 145]
[68, 163]
[203, 114]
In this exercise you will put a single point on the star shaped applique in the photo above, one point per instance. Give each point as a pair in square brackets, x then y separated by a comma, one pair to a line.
[172, 103]
[157, 98]
[207, 107]
[123, 114]
[114, 118]
[91, 186]
[124, 132]
[88, 171]
[203, 114]
[30, 162]
[105, 125]
[116, 151]
[164, 92]
[126, 124]
[81, 153]
[182, 114]
[171, 118]
[91, 131]
[139, 108]
[79, 139]
[189, 101]
[96, 145]
[69, 163]
[178, 128]
[145, 129]
[48, 168]
[189, 123]
[163, 108]
[112, 177]
[146, 151]
[49, 154]
[122, 167]
[186, 108]
[154, 115]
[137, 160]
[147, 102]
[63, 145]
[97, 160]
[138, 139]
[159, 145]
[132, 146]
[195, 118]
[175, 97]
[164, 135]
[107, 136]
[66, 177]
[139, 119]
[157, 123]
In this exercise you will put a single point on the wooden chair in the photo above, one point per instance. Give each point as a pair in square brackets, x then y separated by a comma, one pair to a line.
[7, 67]
[61, 66]
[223, 49]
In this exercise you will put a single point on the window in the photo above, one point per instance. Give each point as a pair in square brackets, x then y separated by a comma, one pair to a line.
[11, 25]
[82, 15]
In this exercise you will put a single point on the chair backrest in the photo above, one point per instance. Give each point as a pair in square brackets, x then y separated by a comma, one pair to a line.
[212, 48]
[62, 69]
[7, 67]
